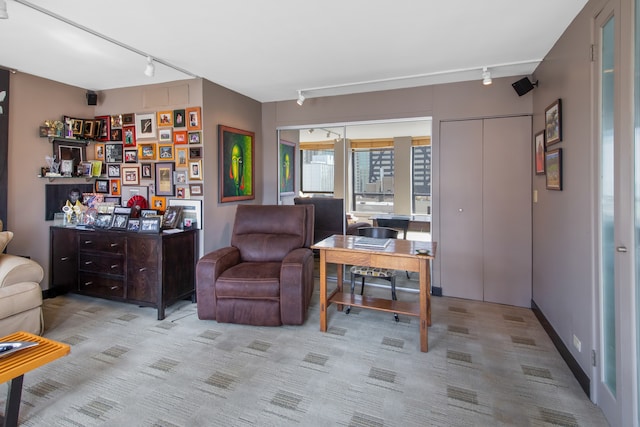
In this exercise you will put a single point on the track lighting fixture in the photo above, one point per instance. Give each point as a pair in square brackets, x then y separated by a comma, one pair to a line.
[486, 77]
[3, 10]
[150, 69]
[301, 98]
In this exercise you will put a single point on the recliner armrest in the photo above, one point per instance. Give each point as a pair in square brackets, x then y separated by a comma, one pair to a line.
[208, 269]
[15, 269]
[296, 272]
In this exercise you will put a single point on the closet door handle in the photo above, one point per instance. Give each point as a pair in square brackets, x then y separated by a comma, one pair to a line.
[621, 249]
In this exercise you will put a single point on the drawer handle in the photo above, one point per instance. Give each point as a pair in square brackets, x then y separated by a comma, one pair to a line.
[88, 283]
[114, 266]
[113, 245]
[143, 269]
[113, 288]
[64, 258]
[88, 242]
[88, 262]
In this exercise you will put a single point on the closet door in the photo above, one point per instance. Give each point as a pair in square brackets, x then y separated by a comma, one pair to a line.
[506, 212]
[460, 245]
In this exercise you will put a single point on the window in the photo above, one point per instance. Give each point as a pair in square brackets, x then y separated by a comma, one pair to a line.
[421, 182]
[373, 187]
[316, 169]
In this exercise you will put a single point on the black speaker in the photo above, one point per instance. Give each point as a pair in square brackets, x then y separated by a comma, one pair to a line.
[92, 98]
[523, 86]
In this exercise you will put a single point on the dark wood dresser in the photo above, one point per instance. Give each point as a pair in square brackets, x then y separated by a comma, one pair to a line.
[153, 270]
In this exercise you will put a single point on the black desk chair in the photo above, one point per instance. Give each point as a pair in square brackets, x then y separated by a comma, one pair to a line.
[381, 273]
[397, 223]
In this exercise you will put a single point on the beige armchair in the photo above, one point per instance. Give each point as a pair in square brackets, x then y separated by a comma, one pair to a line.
[20, 292]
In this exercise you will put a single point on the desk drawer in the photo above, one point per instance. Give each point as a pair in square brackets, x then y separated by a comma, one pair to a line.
[94, 284]
[99, 263]
[111, 243]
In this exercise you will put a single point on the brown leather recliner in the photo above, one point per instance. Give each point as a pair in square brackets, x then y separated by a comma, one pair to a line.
[265, 277]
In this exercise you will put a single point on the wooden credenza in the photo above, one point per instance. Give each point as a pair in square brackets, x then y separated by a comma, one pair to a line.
[153, 270]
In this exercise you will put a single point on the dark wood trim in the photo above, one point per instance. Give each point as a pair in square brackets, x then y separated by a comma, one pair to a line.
[4, 148]
[574, 366]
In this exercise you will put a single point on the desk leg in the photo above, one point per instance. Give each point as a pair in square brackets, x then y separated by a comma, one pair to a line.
[339, 273]
[12, 406]
[323, 291]
[425, 305]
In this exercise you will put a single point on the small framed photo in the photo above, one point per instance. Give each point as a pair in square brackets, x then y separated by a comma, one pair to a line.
[194, 119]
[129, 136]
[147, 151]
[195, 137]
[150, 224]
[88, 128]
[133, 225]
[145, 213]
[165, 118]
[165, 152]
[172, 217]
[96, 129]
[131, 155]
[146, 170]
[538, 148]
[195, 153]
[553, 122]
[191, 210]
[77, 126]
[179, 120]
[128, 119]
[99, 151]
[195, 170]
[98, 168]
[164, 178]
[115, 187]
[145, 126]
[113, 153]
[102, 186]
[158, 203]
[119, 221]
[195, 189]
[105, 128]
[113, 170]
[116, 135]
[103, 220]
[182, 192]
[122, 210]
[180, 137]
[86, 168]
[130, 175]
[180, 177]
[181, 157]
[165, 135]
[553, 166]
[116, 121]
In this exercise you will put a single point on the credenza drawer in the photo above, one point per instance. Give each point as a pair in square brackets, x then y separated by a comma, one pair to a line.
[112, 243]
[99, 263]
[94, 284]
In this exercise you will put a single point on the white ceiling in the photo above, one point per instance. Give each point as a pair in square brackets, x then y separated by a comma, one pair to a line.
[268, 50]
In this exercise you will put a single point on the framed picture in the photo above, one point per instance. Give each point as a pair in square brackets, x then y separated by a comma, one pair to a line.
[146, 170]
[96, 167]
[119, 221]
[128, 119]
[165, 118]
[194, 120]
[102, 186]
[130, 175]
[165, 152]
[77, 126]
[287, 170]
[553, 166]
[164, 178]
[553, 123]
[182, 192]
[235, 164]
[113, 170]
[98, 151]
[181, 157]
[131, 155]
[195, 137]
[133, 225]
[195, 189]
[195, 170]
[195, 153]
[96, 129]
[145, 213]
[103, 220]
[150, 224]
[145, 126]
[180, 137]
[158, 203]
[116, 121]
[129, 136]
[165, 135]
[86, 168]
[178, 119]
[105, 128]
[88, 128]
[172, 216]
[538, 148]
[115, 187]
[180, 177]
[147, 151]
[191, 212]
[116, 135]
[69, 150]
[135, 196]
[113, 153]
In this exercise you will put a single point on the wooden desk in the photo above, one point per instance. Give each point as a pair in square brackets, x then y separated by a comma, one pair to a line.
[398, 255]
[14, 366]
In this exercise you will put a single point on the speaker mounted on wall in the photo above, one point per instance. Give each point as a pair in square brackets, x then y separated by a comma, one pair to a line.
[92, 98]
[524, 85]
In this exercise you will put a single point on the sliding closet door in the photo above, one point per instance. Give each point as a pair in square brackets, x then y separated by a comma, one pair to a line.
[507, 210]
[460, 245]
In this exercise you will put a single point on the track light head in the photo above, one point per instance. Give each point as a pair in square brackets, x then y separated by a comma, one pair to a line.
[301, 98]
[150, 69]
[3, 10]
[486, 77]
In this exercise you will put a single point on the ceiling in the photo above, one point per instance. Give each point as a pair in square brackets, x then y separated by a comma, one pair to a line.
[269, 51]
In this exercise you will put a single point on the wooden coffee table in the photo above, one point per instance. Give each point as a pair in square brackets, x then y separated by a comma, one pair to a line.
[14, 366]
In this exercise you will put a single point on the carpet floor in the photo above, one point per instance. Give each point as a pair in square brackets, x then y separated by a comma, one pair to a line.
[487, 365]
